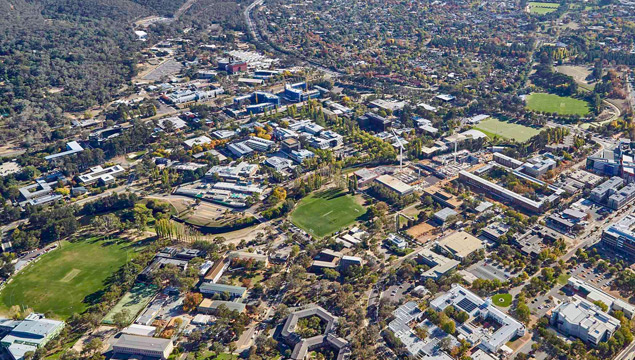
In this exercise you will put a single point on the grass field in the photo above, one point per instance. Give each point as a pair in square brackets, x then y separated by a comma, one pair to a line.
[493, 127]
[542, 8]
[502, 300]
[323, 213]
[556, 104]
[133, 301]
[62, 280]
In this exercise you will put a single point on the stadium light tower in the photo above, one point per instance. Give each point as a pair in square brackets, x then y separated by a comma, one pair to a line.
[400, 150]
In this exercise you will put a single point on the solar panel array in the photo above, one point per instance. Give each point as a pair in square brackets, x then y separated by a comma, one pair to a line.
[467, 305]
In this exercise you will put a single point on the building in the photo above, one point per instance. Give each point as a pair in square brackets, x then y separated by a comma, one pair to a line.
[299, 92]
[300, 155]
[278, 163]
[41, 192]
[140, 330]
[246, 256]
[348, 261]
[374, 122]
[495, 231]
[601, 193]
[442, 216]
[538, 166]
[622, 197]
[326, 259]
[465, 300]
[234, 292]
[72, 147]
[395, 185]
[594, 294]
[334, 139]
[197, 141]
[302, 346]
[502, 193]
[445, 97]
[34, 332]
[209, 306]
[439, 264]
[620, 235]
[240, 149]
[459, 245]
[507, 161]
[142, 345]
[259, 144]
[99, 174]
[531, 242]
[175, 123]
[441, 196]
[396, 241]
[393, 106]
[241, 171]
[580, 318]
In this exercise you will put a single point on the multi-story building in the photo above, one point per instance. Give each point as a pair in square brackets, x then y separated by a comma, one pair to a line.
[464, 300]
[502, 193]
[602, 192]
[299, 92]
[582, 319]
[28, 335]
[620, 236]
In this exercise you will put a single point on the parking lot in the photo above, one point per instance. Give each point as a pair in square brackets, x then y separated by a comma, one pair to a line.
[489, 271]
[397, 292]
[592, 276]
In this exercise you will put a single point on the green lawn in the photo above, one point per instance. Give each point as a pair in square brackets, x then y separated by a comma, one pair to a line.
[563, 279]
[493, 127]
[502, 300]
[63, 280]
[556, 104]
[133, 301]
[542, 8]
[323, 213]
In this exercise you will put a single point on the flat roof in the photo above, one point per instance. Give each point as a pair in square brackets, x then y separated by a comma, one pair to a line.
[461, 244]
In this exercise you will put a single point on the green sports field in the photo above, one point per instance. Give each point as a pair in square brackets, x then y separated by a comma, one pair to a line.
[541, 8]
[323, 213]
[61, 280]
[493, 127]
[561, 105]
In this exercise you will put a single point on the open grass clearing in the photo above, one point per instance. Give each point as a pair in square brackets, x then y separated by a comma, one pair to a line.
[561, 105]
[326, 212]
[541, 8]
[502, 300]
[493, 127]
[66, 280]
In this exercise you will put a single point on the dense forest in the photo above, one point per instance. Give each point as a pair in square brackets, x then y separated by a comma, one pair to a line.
[61, 56]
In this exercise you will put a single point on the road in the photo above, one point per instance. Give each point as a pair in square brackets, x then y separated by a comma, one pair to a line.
[255, 34]
[188, 4]
[247, 15]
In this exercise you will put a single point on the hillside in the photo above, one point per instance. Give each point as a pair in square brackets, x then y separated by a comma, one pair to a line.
[64, 56]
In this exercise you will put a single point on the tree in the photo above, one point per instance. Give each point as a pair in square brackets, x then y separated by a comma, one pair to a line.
[92, 347]
[121, 319]
[191, 301]
[141, 216]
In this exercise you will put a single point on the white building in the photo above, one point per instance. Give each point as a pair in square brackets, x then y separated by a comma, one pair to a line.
[465, 300]
[98, 173]
[582, 319]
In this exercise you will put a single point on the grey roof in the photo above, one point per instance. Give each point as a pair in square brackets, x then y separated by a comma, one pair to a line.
[141, 343]
[211, 288]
